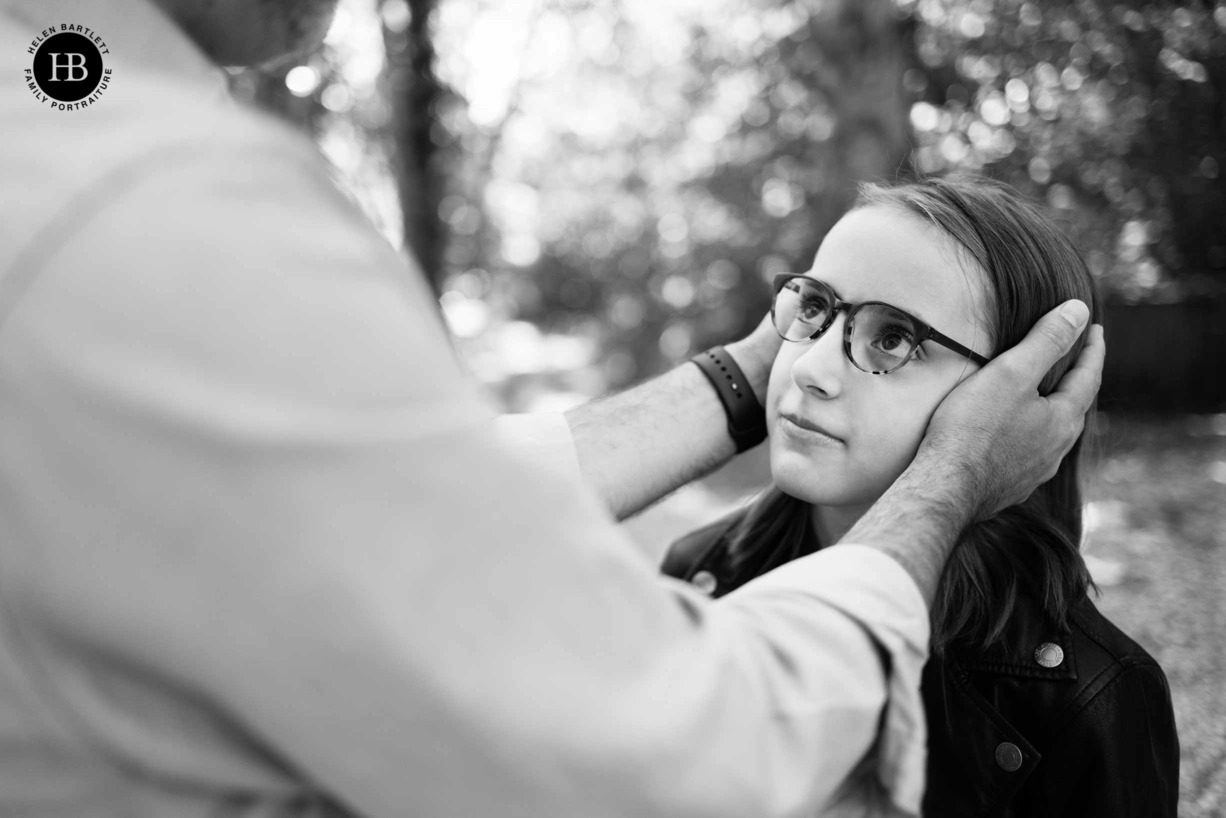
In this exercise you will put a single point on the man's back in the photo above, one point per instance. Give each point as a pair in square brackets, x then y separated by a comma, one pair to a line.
[84, 731]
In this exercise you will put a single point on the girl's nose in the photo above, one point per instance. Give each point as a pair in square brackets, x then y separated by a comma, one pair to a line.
[821, 368]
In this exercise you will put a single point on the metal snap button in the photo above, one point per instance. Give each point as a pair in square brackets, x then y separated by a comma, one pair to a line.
[1008, 756]
[1049, 654]
[704, 581]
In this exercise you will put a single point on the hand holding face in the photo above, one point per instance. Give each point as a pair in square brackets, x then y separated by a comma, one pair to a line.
[996, 428]
[755, 355]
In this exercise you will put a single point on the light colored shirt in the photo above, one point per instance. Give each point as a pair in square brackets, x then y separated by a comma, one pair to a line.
[262, 552]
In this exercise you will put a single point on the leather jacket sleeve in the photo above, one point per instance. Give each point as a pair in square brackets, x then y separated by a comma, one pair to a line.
[1117, 758]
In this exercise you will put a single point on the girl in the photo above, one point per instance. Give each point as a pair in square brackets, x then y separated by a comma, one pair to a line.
[1036, 704]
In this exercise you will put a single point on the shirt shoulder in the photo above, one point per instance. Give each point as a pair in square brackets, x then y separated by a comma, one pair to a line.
[62, 167]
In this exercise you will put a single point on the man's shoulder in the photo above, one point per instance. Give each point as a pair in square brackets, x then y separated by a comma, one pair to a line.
[60, 167]
[157, 90]
[154, 121]
[144, 172]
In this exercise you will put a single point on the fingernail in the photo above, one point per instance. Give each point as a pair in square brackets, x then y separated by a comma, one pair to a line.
[1076, 313]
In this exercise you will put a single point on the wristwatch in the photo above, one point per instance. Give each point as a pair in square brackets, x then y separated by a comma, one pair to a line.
[746, 417]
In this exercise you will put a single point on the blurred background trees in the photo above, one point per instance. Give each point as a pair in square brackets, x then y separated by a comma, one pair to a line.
[1110, 111]
[598, 190]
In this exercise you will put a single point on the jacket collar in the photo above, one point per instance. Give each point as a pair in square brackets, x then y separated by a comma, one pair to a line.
[1031, 647]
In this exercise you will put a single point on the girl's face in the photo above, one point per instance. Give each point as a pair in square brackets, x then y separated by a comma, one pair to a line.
[840, 436]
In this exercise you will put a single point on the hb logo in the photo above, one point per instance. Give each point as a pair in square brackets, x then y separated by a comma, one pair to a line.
[67, 66]
[73, 62]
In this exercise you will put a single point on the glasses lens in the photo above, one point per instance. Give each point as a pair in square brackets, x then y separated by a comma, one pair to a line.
[802, 308]
[882, 338]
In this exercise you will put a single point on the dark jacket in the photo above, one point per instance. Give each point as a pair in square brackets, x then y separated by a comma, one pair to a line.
[1043, 725]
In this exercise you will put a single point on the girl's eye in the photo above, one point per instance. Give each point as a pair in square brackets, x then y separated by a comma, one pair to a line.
[893, 340]
[813, 308]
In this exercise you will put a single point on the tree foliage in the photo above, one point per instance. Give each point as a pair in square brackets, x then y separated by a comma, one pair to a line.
[1111, 111]
[656, 169]
[599, 189]
[641, 191]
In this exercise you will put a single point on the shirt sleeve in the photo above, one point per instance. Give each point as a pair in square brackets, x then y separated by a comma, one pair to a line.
[243, 461]
[876, 592]
[543, 437]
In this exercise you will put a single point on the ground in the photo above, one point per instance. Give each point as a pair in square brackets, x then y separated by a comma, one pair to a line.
[1155, 543]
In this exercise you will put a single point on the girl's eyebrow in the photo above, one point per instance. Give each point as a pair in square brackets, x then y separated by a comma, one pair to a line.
[908, 310]
[915, 313]
[815, 276]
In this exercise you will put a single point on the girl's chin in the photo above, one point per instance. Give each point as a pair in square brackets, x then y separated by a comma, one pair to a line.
[805, 486]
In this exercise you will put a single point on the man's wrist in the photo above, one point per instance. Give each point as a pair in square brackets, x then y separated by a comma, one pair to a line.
[919, 519]
[746, 419]
[755, 360]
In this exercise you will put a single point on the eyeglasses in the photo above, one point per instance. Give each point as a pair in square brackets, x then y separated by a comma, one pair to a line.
[877, 338]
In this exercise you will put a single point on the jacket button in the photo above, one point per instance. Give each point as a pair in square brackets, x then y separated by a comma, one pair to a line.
[704, 581]
[1008, 756]
[1049, 654]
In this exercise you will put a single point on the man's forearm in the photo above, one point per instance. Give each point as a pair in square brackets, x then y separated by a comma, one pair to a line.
[918, 520]
[637, 446]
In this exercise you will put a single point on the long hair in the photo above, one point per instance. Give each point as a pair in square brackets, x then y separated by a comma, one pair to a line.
[1032, 547]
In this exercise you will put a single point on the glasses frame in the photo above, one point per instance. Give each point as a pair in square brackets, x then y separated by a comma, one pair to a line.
[923, 331]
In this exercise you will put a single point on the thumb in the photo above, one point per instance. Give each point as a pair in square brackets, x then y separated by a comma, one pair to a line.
[1048, 341]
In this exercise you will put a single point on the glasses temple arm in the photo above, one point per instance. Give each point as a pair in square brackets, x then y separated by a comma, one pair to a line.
[950, 343]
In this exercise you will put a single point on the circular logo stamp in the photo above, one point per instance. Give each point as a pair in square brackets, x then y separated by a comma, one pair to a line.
[68, 71]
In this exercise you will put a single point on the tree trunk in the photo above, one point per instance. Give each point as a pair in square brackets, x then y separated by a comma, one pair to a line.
[869, 47]
[413, 92]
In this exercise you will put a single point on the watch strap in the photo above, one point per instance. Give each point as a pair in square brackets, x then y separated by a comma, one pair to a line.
[746, 417]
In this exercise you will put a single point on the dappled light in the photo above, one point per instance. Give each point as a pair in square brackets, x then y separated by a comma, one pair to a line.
[636, 171]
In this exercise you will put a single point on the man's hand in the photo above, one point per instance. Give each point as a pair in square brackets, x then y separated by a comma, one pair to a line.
[998, 428]
[991, 442]
[755, 355]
